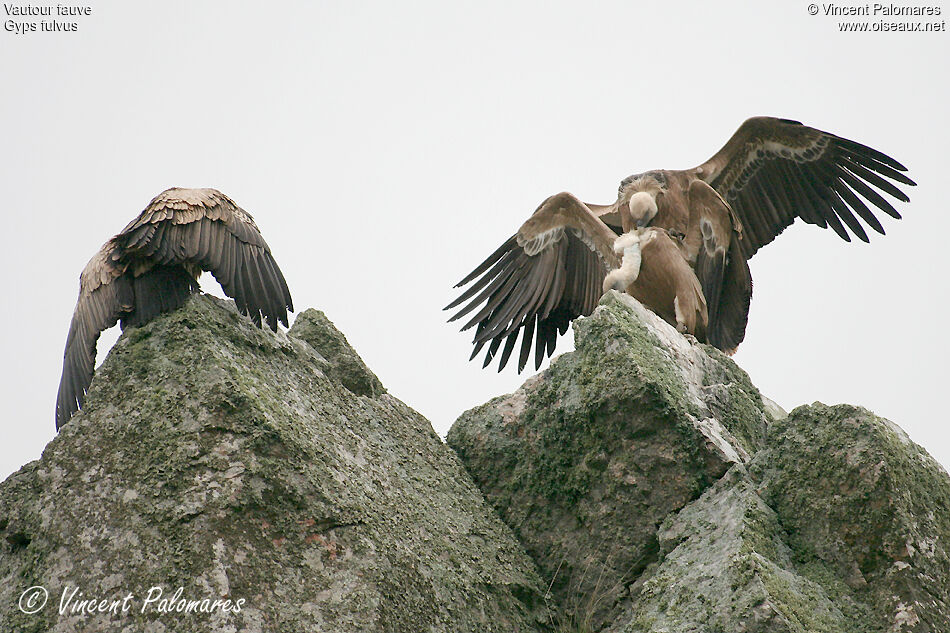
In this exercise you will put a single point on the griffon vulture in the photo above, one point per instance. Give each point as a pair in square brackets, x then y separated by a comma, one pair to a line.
[706, 222]
[153, 265]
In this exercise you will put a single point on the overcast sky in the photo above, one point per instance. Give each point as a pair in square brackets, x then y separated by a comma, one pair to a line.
[385, 148]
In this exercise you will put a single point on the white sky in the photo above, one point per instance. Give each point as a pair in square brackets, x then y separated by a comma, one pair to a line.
[386, 148]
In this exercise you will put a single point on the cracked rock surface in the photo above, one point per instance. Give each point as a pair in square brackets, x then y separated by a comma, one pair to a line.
[659, 492]
[274, 469]
[641, 484]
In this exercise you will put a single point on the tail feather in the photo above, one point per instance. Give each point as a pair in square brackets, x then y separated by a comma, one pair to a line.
[162, 289]
[727, 330]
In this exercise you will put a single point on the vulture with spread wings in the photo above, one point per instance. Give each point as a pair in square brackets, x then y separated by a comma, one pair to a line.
[152, 267]
[679, 241]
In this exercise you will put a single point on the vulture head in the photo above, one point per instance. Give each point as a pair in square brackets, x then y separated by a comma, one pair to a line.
[687, 239]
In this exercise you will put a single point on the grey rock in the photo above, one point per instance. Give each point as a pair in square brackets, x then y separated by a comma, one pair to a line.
[855, 494]
[724, 565]
[274, 469]
[345, 365]
[773, 409]
[587, 459]
[659, 492]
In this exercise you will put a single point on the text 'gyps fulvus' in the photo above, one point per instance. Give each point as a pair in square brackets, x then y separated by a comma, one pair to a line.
[153, 265]
[687, 238]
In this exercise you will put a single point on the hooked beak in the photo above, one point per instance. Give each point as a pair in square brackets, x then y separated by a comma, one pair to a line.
[642, 208]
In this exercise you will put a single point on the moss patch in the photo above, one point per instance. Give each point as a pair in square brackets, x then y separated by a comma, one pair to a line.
[231, 461]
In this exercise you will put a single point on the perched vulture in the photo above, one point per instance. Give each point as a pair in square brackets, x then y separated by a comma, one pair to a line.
[153, 265]
[679, 241]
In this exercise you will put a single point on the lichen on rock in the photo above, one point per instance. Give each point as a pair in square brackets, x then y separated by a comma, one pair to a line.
[245, 465]
[640, 484]
[857, 495]
[346, 366]
[658, 491]
[586, 460]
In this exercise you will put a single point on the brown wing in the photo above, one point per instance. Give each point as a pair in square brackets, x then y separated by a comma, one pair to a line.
[538, 281]
[609, 214]
[774, 170]
[712, 246]
[104, 293]
[151, 267]
[205, 228]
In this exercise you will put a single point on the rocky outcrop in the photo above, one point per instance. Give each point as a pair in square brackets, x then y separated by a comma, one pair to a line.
[269, 473]
[658, 491]
[852, 491]
[225, 478]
